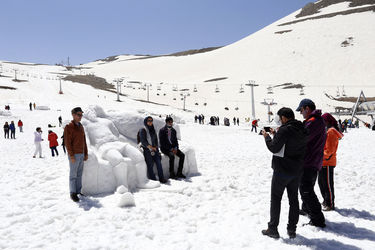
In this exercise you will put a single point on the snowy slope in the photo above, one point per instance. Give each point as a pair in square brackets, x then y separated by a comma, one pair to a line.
[308, 52]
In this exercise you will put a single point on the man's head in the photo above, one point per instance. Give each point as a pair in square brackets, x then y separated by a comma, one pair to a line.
[285, 115]
[169, 121]
[77, 114]
[38, 129]
[306, 107]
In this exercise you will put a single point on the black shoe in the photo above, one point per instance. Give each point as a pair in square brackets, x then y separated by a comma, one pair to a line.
[163, 181]
[180, 175]
[172, 175]
[74, 197]
[292, 234]
[316, 224]
[303, 212]
[271, 233]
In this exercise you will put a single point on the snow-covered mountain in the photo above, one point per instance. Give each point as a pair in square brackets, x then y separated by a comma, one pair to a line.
[328, 46]
[325, 48]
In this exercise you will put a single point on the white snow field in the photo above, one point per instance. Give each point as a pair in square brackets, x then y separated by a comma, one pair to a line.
[225, 207]
[224, 202]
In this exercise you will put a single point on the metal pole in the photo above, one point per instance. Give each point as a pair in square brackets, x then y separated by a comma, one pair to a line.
[184, 101]
[269, 113]
[118, 94]
[148, 92]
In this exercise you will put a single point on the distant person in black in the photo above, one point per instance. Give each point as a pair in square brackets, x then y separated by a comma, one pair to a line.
[238, 121]
[288, 145]
[234, 120]
[60, 121]
[169, 147]
[31, 106]
[6, 130]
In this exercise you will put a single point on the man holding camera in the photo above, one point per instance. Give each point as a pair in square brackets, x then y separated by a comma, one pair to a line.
[288, 145]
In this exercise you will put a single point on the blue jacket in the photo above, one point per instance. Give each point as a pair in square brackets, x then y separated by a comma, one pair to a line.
[12, 127]
[165, 144]
[316, 139]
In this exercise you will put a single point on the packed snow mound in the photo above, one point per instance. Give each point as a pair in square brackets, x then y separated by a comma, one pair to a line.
[114, 157]
[5, 113]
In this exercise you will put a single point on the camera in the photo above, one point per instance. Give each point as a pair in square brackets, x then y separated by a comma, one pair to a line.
[267, 129]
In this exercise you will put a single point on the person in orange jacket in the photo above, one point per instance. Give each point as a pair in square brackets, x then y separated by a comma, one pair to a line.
[52, 138]
[325, 178]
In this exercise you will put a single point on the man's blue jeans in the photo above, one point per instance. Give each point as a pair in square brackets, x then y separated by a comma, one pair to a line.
[75, 174]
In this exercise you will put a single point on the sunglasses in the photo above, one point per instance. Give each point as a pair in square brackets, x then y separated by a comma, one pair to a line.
[149, 120]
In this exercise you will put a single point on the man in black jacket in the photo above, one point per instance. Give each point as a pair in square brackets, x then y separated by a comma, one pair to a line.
[288, 146]
[169, 147]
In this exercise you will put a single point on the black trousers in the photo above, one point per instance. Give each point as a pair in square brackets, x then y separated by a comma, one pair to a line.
[6, 134]
[310, 202]
[279, 183]
[171, 160]
[254, 127]
[326, 185]
[13, 134]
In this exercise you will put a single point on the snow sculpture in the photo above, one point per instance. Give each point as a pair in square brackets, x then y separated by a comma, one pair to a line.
[115, 162]
[5, 113]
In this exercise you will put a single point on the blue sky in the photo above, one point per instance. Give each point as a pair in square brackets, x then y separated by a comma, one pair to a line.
[48, 31]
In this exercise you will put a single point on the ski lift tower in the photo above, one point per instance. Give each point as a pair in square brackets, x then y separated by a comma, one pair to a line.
[269, 103]
[118, 82]
[252, 85]
[60, 91]
[184, 95]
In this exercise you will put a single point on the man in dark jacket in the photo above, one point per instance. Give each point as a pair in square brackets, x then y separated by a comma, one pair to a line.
[169, 147]
[313, 161]
[288, 146]
[149, 143]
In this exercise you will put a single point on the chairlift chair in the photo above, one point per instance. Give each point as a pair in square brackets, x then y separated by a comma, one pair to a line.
[301, 92]
[270, 90]
[242, 90]
[195, 88]
[217, 90]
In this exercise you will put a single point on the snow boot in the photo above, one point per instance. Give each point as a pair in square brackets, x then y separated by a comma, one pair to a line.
[74, 197]
[273, 233]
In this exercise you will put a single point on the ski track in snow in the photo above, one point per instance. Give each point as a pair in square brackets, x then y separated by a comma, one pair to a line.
[225, 207]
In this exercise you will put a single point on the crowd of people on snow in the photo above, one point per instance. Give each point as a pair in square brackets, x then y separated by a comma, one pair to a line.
[302, 153]
[215, 120]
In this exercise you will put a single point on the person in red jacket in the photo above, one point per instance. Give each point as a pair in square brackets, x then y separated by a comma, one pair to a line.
[52, 138]
[325, 178]
[20, 125]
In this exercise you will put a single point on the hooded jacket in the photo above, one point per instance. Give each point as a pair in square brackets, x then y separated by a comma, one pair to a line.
[330, 148]
[52, 138]
[293, 135]
[316, 131]
[148, 137]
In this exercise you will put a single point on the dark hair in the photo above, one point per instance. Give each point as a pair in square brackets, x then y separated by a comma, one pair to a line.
[168, 119]
[311, 106]
[38, 128]
[286, 112]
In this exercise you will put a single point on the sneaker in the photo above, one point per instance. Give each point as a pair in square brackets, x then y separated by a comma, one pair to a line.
[271, 233]
[292, 234]
[33, 156]
[74, 197]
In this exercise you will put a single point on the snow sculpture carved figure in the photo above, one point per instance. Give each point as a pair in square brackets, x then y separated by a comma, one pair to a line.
[115, 162]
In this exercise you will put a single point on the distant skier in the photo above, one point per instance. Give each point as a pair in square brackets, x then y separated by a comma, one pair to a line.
[234, 120]
[37, 141]
[34, 105]
[20, 125]
[12, 128]
[52, 138]
[6, 130]
[60, 121]
[254, 125]
[238, 121]
[31, 106]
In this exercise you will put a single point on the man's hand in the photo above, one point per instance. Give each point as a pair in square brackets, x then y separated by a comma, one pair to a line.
[86, 157]
[174, 151]
[272, 131]
[264, 133]
[73, 159]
